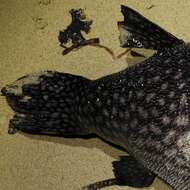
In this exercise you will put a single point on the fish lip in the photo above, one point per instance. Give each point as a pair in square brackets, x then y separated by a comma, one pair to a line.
[11, 90]
[3, 91]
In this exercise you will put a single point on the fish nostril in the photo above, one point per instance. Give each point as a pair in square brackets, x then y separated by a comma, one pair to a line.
[3, 91]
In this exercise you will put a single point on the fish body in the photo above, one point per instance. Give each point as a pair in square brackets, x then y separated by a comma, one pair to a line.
[144, 108]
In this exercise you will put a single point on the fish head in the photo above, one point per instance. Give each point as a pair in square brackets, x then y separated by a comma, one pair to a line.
[23, 89]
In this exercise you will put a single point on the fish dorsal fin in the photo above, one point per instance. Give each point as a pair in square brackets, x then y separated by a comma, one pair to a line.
[138, 32]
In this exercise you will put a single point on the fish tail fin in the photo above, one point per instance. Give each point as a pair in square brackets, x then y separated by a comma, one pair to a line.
[47, 103]
[138, 32]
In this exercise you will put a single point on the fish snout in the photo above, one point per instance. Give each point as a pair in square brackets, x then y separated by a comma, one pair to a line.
[10, 90]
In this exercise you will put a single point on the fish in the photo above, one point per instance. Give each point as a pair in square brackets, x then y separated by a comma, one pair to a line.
[145, 109]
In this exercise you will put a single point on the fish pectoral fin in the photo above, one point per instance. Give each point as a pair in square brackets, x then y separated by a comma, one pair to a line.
[138, 32]
[129, 172]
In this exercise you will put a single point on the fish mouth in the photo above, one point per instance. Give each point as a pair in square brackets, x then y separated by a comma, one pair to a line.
[12, 100]
[14, 95]
[8, 91]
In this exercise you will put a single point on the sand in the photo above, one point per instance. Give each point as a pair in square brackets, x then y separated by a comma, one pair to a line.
[28, 43]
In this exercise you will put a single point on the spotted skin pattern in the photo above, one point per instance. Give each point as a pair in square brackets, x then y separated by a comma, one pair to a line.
[144, 109]
[148, 113]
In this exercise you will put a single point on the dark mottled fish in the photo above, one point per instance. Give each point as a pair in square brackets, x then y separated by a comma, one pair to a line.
[144, 109]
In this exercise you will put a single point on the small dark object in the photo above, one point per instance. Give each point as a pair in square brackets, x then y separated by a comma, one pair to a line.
[74, 31]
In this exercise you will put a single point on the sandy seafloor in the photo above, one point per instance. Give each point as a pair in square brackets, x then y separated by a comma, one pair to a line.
[28, 43]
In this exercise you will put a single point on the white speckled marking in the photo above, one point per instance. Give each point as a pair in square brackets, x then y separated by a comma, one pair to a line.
[127, 114]
[130, 94]
[182, 120]
[170, 137]
[171, 94]
[168, 71]
[184, 144]
[133, 107]
[25, 98]
[122, 100]
[105, 112]
[140, 94]
[149, 97]
[178, 76]
[181, 85]
[115, 96]
[154, 112]
[156, 130]
[161, 101]
[172, 107]
[134, 123]
[156, 78]
[114, 111]
[164, 86]
[166, 120]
